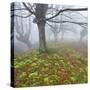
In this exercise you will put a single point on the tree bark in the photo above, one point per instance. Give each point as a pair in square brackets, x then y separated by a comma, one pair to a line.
[42, 39]
[41, 10]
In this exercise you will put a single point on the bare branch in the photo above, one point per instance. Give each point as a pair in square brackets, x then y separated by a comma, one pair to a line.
[32, 7]
[82, 15]
[16, 9]
[66, 16]
[28, 8]
[50, 25]
[79, 23]
[53, 28]
[22, 35]
[68, 9]
[21, 16]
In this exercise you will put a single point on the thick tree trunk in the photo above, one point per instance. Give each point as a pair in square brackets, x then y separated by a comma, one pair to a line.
[42, 39]
[41, 10]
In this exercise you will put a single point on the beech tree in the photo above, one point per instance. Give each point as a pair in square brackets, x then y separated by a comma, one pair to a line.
[39, 11]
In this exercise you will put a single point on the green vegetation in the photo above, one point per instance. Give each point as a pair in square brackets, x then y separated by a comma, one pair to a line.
[65, 63]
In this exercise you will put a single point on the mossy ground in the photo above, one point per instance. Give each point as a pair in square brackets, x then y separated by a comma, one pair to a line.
[65, 63]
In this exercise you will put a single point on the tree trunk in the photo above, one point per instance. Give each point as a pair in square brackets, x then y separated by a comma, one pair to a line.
[62, 36]
[42, 39]
[41, 10]
[29, 44]
[56, 37]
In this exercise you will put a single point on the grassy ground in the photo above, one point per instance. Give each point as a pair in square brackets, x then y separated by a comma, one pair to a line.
[65, 63]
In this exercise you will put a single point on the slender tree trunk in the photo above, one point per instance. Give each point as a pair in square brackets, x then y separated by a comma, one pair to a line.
[80, 39]
[62, 36]
[28, 44]
[42, 39]
[56, 37]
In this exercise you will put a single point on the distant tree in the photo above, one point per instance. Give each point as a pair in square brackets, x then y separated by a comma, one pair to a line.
[22, 34]
[55, 30]
[83, 32]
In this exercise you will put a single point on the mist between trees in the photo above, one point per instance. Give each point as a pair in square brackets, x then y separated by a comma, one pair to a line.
[37, 25]
[50, 44]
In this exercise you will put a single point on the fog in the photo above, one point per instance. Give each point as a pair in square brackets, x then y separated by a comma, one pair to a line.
[67, 31]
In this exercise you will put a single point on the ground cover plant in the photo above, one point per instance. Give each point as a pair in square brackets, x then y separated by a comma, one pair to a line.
[64, 64]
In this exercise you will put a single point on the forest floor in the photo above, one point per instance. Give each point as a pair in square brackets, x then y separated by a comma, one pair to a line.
[65, 63]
